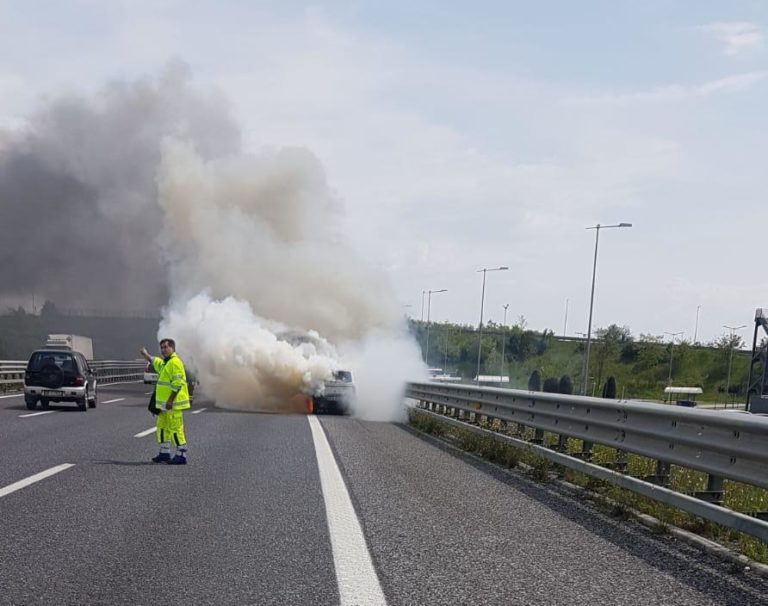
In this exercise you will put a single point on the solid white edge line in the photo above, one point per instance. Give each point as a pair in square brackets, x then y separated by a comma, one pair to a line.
[146, 432]
[13, 395]
[355, 575]
[37, 414]
[111, 401]
[35, 478]
[197, 412]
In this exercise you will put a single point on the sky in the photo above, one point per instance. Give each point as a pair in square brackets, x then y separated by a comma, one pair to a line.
[460, 136]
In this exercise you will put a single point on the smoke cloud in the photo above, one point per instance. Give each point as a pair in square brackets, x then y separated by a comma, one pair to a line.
[262, 233]
[78, 193]
[140, 197]
[264, 228]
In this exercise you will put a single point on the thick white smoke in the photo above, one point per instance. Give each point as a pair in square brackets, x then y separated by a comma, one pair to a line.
[259, 235]
[239, 358]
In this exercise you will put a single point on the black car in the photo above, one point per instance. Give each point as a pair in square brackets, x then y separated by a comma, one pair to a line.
[59, 375]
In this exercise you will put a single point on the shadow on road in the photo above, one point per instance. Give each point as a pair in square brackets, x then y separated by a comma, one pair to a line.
[129, 463]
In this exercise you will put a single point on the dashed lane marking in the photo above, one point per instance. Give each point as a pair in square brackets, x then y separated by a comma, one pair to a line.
[355, 574]
[115, 400]
[13, 395]
[146, 432]
[198, 411]
[37, 414]
[35, 478]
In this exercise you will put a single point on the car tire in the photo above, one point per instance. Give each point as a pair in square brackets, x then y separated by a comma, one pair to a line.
[93, 401]
[83, 404]
[44, 403]
[31, 404]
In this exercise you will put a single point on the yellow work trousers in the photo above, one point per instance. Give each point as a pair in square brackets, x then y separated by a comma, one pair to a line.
[170, 427]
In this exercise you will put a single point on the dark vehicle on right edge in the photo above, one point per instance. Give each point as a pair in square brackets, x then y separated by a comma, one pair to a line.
[59, 375]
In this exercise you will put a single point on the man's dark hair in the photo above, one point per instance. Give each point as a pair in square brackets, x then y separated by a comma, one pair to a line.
[170, 342]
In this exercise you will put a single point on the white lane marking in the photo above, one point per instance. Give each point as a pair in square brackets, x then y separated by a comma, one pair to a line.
[197, 412]
[35, 478]
[355, 575]
[13, 395]
[37, 414]
[146, 432]
[115, 400]
[147, 393]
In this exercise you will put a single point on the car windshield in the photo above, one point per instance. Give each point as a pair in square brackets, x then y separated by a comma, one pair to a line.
[41, 359]
[343, 375]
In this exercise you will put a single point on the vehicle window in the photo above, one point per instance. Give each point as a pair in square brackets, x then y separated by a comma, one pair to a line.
[82, 363]
[343, 375]
[63, 360]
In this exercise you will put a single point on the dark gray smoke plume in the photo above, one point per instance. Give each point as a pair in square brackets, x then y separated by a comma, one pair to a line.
[79, 216]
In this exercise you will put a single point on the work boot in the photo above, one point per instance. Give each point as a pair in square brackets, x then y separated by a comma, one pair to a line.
[178, 460]
[163, 457]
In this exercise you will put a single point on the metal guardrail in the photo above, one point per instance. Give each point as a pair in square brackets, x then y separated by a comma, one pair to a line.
[722, 445]
[107, 371]
[12, 371]
[110, 371]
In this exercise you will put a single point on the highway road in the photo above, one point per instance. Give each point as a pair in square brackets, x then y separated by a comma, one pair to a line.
[277, 509]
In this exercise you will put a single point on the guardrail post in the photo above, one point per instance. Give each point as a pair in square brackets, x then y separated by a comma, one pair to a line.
[562, 443]
[620, 464]
[714, 491]
[538, 436]
[586, 451]
[661, 477]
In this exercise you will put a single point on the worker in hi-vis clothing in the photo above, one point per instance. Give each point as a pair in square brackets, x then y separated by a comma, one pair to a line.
[171, 398]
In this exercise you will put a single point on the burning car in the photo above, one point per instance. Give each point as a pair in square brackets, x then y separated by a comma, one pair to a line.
[337, 395]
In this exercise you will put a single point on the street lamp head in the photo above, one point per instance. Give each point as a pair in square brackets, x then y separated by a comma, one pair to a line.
[625, 225]
[503, 268]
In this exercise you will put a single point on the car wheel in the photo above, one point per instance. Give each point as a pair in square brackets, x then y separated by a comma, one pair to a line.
[44, 403]
[92, 402]
[83, 404]
[31, 404]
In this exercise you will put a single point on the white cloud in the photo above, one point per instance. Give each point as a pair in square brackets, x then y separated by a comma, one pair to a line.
[727, 85]
[736, 36]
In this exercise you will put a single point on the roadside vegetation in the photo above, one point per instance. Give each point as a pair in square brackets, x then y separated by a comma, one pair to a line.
[639, 365]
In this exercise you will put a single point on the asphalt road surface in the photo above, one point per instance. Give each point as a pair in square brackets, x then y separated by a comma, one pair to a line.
[276, 509]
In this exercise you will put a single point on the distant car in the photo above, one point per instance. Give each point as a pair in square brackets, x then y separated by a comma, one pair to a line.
[150, 376]
[59, 376]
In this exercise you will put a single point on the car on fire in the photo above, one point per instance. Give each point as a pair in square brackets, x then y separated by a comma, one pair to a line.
[337, 396]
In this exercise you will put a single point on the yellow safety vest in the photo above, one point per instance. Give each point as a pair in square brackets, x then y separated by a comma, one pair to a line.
[171, 377]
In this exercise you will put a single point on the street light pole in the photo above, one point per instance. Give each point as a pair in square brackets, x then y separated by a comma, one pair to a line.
[565, 322]
[423, 292]
[429, 309]
[503, 344]
[730, 359]
[671, 351]
[597, 229]
[696, 329]
[485, 270]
